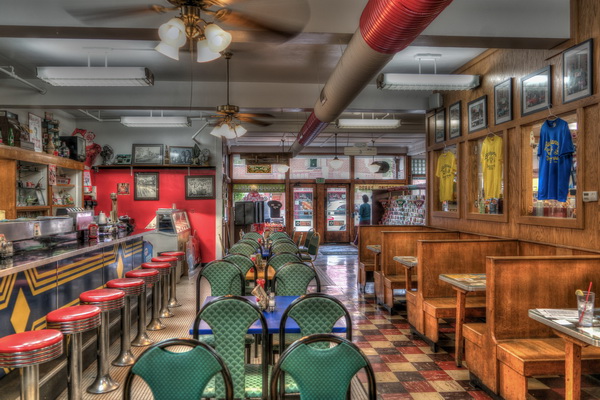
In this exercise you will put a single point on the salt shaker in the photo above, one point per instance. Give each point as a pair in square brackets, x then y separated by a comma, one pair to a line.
[271, 302]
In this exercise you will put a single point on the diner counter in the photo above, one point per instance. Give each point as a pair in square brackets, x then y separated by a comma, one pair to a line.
[26, 260]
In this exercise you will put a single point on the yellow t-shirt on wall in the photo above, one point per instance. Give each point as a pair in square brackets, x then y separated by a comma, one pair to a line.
[491, 165]
[445, 171]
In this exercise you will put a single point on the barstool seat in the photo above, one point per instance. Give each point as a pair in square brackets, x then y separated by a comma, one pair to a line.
[172, 253]
[26, 350]
[161, 267]
[130, 286]
[149, 275]
[164, 258]
[106, 299]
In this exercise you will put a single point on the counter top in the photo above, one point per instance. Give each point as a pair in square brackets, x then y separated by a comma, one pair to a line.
[32, 259]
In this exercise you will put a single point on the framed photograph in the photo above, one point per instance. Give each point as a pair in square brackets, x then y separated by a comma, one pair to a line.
[578, 72]
[454, 120]
[122, 188]
[145, 186]
[477, 113]
[151, 154]
[440, 125]
[180, 155]
[35, 132]
[535, 91]
[123, 159]
[503, 102]
[199, 187]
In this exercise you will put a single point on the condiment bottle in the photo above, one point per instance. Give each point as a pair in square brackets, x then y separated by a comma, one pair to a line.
[272, 301]
[93, 231]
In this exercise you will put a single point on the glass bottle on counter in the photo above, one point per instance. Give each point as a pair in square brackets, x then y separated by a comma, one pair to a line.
[11, 137]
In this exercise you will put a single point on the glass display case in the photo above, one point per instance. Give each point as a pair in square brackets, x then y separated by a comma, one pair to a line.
[32, 190]
[445, 183]
[303, 208]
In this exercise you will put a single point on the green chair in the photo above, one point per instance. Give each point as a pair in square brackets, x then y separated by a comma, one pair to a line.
[312, 252]
[253, 236]
[307, 238]
[245, 264]
[178, 376]
[250, 242]
[224, 278]
[277, 235]
[229, 318]
[293, 279]
[322, 373]
[286, 247]
[279, 260]
[242, 248]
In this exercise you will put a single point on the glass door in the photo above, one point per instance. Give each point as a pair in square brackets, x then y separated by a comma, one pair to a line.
[303, 199]
[336, 214]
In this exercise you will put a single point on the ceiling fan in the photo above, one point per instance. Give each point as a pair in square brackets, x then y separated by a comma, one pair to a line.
[229, 114]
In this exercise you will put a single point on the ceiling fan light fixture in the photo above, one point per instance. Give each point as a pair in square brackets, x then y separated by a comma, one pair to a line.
[168, 50]
[240, 130]
[218, 39]
[205, 54]
[336, 163]
[173, 32]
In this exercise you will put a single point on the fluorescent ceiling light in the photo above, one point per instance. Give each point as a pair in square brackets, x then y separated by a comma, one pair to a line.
[427, 81]
[155, 122]
[96, 76]
[368, 123]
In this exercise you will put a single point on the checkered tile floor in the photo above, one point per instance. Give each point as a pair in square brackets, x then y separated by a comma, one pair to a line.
[405, 367]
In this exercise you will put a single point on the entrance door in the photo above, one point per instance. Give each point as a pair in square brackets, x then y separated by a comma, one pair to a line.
[337, 214]
[303, 206]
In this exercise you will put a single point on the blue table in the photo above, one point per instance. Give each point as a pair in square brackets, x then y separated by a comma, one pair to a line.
[273, 319]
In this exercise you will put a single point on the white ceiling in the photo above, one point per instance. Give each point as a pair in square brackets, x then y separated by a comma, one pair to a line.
[283, 79]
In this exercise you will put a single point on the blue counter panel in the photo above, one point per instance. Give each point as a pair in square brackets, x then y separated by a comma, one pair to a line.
[79, 274]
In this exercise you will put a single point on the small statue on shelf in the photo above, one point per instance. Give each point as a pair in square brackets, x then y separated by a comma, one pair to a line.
[107, 154]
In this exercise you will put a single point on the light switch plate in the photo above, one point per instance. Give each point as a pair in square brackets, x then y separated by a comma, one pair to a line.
[590, 196]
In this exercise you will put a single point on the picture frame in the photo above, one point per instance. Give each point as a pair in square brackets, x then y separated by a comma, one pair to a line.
[145, 186]
[477, 114]
[35, 132]
[440, 125]
[180, 155]
[536, 91]
[199, 187]
[578, 71]
[147, 154]
[122, 188]
[503, 102]
[454, 120]
[123, 159]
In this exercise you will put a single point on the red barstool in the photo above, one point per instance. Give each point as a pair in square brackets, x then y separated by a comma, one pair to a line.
[131, 287]
[27, 350]
[106, 300]
[164, 310]
[150, 276]
[179, 254]
[163, 269]
[73, 321]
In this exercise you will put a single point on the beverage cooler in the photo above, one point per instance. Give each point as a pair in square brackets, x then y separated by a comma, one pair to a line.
[172, 233]
[303, 209]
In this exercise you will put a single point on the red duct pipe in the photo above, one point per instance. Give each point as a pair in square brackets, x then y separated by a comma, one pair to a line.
[386, 27]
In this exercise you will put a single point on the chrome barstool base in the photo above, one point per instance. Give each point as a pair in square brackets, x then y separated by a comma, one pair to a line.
[174, 303]
[124, 359]
[155, 325]
[142, 340]
[103, 385]
[166, 314]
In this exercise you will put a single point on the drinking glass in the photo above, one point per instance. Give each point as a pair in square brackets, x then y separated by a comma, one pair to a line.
[585, 306]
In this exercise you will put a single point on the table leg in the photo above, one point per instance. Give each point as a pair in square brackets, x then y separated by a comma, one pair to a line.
[461, 298]
[572, 370]
[408, 278]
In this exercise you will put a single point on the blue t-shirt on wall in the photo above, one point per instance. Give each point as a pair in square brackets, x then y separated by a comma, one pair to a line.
[555, 153]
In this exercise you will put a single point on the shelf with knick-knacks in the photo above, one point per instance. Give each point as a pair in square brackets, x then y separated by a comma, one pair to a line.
[32, 189]
[66, 188]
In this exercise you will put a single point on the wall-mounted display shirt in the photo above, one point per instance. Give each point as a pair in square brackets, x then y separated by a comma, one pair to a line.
[555, 153]
[445, 171]
[491, 165]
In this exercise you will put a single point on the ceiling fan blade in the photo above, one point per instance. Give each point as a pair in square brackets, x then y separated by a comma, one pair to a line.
[112, 13]
[259, 115]
[253, 121]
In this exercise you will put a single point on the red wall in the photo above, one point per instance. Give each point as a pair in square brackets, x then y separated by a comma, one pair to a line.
[171, 190]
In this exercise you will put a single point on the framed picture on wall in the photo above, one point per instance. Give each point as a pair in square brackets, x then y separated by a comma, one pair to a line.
[477, 113]
[440, 125]
[151, 154]
[35, 132]
[145, 186]
[503, 102]
[123, 159]
[536, 91]
[454, 120]
[578, 72]
[180, 155]
[199, 187]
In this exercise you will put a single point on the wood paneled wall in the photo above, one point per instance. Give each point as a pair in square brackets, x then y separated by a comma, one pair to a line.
[495, 66]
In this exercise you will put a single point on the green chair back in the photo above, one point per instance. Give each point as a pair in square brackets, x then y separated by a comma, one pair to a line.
[252, 235]
[278, 235]
[323, 373]
[280, 259]
[242, 248]
[293, 279]
[244, 263]
[286, 247]
[229, 317]
[224, 278]
[309, 235]
[250, 242]
[178, 376]
[313, 245]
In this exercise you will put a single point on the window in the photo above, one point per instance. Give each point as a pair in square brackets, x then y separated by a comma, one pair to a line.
[243, 171]
[361, 167]
[312, 167]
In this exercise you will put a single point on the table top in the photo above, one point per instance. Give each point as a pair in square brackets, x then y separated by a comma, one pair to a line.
[568, 326]
[273, 319]
[467, 282]
[375, 248]
[406, 261]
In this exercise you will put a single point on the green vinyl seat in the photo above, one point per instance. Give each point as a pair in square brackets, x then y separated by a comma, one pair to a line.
[242, 248]
[250, 242]
[224, 278]
[252, 235]
[293, 279]
[245, 264]
[310, 255]
[285, 247]
[179, 375]
[322, 372]
[277, 235]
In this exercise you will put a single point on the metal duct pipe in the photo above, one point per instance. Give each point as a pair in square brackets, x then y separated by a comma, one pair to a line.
[386, 27]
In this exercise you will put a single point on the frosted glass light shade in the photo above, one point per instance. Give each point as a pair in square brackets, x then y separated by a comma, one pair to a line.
[373, 167]
[240, 130]
[336, 163]
[173, 32]
[282, 168]
[218, 39]
[168, 50]
[205, 54]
